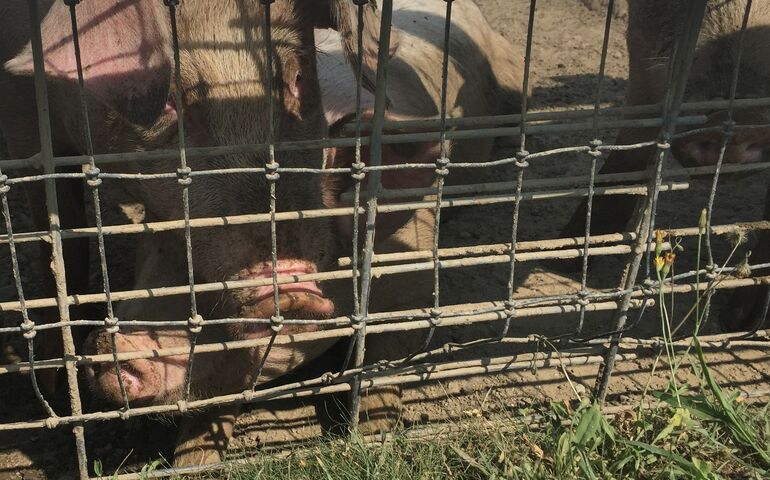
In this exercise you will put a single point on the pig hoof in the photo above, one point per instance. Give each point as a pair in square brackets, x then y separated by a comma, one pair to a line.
[745, 311]
[203, 438]
[380, 410]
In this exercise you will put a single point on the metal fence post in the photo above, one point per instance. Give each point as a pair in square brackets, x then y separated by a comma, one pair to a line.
[373, 189]
[57, 252]
[678, 74]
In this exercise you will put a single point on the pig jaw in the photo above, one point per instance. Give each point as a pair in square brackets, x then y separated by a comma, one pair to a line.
[147, 381]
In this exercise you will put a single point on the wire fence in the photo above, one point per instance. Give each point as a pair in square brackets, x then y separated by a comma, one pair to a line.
[629, 301]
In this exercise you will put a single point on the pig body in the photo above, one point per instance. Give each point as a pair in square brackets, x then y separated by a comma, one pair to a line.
[652, 26]
[484, 78]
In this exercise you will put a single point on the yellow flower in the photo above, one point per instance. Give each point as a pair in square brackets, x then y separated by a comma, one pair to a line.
[659, 236]
[668, 262]
[659, 262]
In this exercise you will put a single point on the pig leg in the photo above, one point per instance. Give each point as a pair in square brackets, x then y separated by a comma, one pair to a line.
[609, 214]
[747, 304]
[380, 407]
[203, 437]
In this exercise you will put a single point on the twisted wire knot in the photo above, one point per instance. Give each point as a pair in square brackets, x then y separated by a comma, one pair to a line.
[382, 365]
[271, 171]
[356, 322]
[521, 159]
[183, 176]
[124, 414]
[111, 325]
[594, 148]
[71, 3]
[92, 177]
[276, 323]
[583, 297]
[534, 338]
[51, 422]
[28, 329]
[441, 166]
[360, 2]
[195, 324]
[171, 3]
[663, 145]
[4, 187]
[647, 287]
[711, 271]
[435, 317]
[181, 405]
[357, 171]
[729, 126]
[510, 309]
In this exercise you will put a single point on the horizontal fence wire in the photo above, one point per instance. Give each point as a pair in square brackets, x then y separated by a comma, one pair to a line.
[374, 375]
[673, 120]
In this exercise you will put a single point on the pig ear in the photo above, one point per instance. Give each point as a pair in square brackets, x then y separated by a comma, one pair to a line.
[342, 15]
[125, 50]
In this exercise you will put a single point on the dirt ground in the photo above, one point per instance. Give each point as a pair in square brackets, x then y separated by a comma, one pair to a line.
[566, 51]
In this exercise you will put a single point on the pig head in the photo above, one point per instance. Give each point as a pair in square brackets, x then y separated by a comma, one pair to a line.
[484, 77]
[650, 37]
[223, 99]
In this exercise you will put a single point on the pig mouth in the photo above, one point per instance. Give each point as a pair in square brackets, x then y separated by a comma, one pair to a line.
[705, 149]
[300, 300]
[142, 379]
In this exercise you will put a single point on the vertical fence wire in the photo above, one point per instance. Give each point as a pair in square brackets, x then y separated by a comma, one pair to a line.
[521, 164]
[594, 154]
[27, 325]
[93, 181]
[195, 322]
[727, 135]
[442, 170]
[373, 189]
[357, 174]
[57, 251]
[678, 75]
[272, 175]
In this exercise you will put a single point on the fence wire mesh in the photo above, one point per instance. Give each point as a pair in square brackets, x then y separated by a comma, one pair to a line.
[365, 203]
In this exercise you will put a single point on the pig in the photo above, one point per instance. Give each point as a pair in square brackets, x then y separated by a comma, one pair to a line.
[134, 105]
[484, 79]
[651, 28]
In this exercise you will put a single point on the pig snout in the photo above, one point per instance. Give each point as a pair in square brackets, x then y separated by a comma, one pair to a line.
[749, 145]
[296, 299]
[145, 380]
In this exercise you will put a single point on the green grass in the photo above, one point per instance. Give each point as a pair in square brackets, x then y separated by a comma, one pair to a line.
[708, 438]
